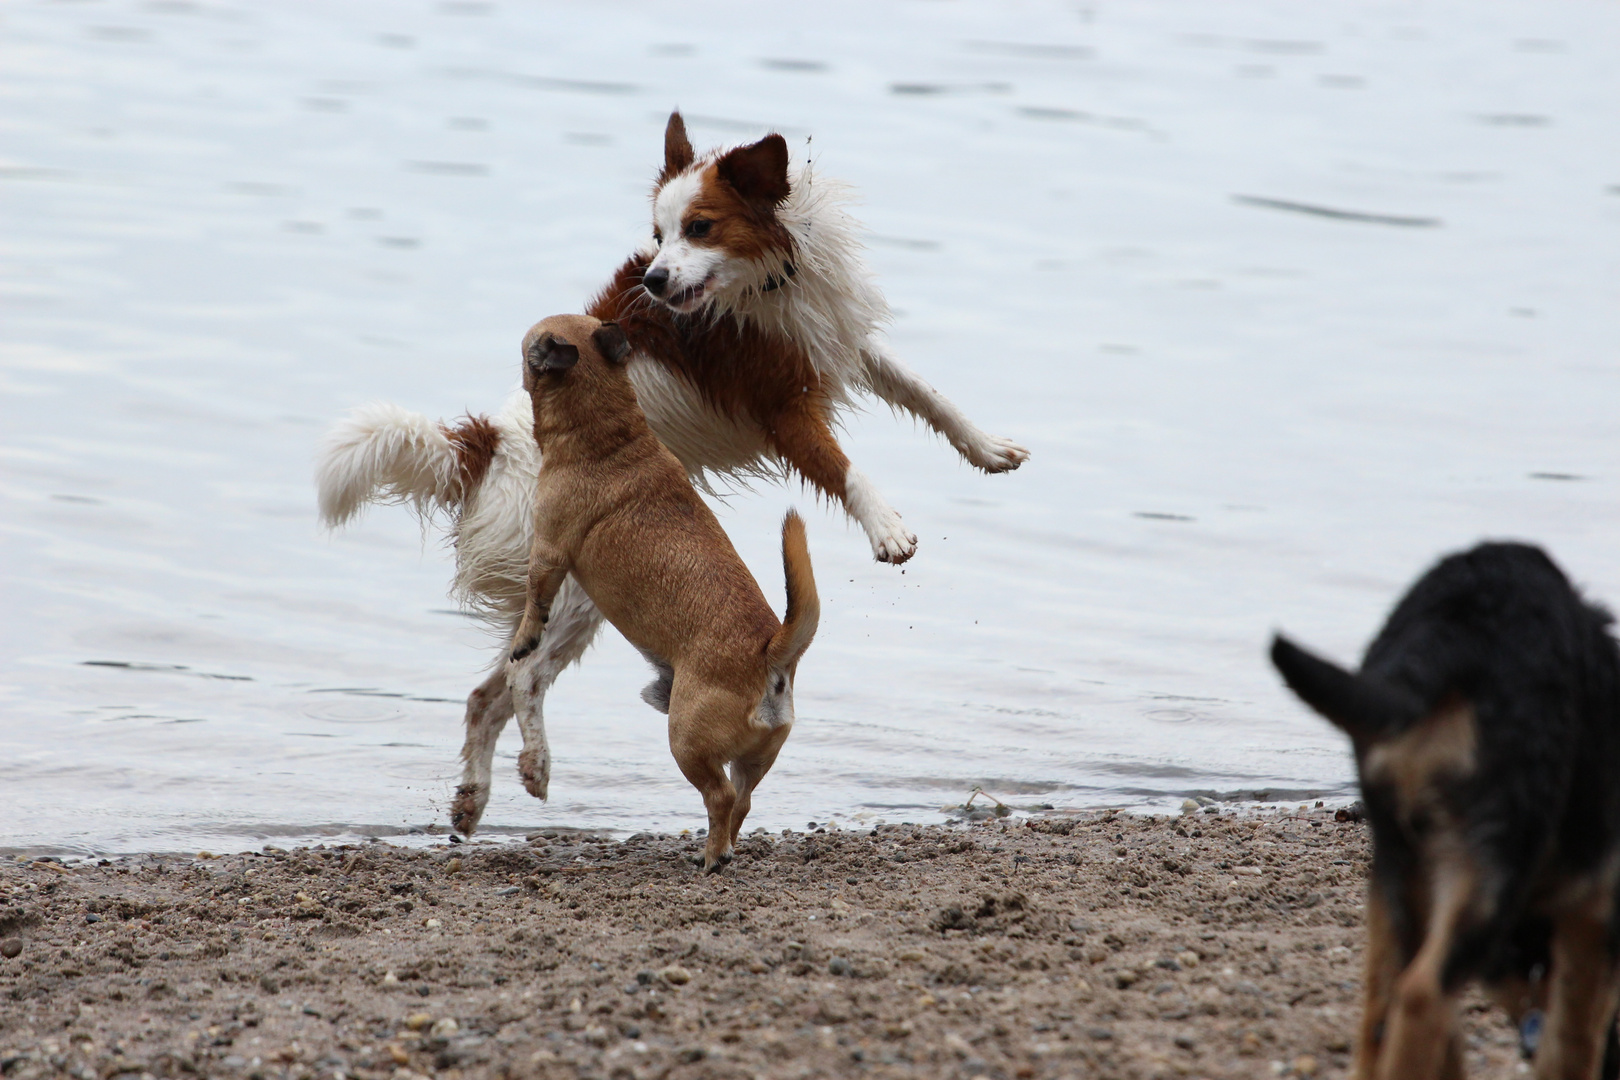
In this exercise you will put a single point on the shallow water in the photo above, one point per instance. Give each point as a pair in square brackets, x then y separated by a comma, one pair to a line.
[1286, 301]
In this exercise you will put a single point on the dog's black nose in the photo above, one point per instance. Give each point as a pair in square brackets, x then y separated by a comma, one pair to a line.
[656, 281]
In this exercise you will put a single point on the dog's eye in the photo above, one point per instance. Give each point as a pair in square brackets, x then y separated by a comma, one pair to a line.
[658, 238]
[698, 227]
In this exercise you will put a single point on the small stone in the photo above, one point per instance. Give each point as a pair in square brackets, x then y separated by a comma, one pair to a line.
[445, 1028]
[432, 924]
[839, 966]
[645, 978]
[397, 1054]
[676, 975]
[1305, 1066]
[1100, 1034]
[390, 979]
[1185, 1042]
[453, 866]
[1124, 980]
[418, 1021]
[693, 1054]
[11, 948]
[268, 984]
[1189, 806]
[596, 1036]
[92, 918]
[1188, 958]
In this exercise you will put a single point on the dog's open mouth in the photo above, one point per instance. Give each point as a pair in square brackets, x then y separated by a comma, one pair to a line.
[689, 298]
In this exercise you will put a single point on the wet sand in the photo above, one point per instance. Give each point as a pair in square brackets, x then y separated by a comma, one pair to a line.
[1103, 945]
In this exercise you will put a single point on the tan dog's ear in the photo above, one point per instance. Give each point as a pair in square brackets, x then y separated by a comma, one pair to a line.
[551, 353]
[610, 341]
[758, 172]
[678, 153]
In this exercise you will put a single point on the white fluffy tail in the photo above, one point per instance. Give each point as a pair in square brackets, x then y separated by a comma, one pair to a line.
[386, 454]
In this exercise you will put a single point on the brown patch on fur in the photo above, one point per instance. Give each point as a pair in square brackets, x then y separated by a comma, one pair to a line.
[739, 369]
[475, 440]
[758, 172]
[1442, 745]
[744, 225]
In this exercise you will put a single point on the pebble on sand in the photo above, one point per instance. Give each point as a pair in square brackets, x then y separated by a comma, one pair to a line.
[676, 975]
[11, 948]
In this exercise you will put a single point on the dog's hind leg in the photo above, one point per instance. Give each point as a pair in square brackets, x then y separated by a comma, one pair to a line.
[489, 707]
[1582, 993]
[570, 629]
[703, 723]
[905, 389]
[746, 773]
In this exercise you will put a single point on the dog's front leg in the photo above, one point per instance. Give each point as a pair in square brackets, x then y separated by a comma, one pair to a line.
[546, 573]
[1582, 995]
[905, 389]
[802, 436]
[526, 678]
[573, 623]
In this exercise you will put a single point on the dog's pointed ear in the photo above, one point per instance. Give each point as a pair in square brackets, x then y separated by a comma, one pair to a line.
[549, 352]
[610, 341]
[759, 172]
[678, 153]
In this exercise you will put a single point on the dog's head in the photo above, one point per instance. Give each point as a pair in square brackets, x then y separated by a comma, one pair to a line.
[715, 222]
[574, 364]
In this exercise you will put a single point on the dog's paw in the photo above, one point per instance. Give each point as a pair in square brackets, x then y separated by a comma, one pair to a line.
[715, 865]
[895, 544]
[535, 770]
[468, 808]
[994, 454]
[524, 646]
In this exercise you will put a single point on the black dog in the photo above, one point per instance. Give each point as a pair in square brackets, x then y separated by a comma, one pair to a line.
[1486, 726]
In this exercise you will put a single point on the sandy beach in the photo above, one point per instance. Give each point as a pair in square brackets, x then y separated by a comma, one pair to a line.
[1100, 945]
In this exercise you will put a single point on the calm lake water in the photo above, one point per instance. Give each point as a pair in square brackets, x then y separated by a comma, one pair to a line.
[1101, 226]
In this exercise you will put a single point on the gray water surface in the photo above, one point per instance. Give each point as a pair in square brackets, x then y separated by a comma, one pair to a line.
[1285, 299]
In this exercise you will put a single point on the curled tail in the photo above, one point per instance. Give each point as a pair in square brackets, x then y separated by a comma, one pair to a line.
[803, 605]
[1364, 708]
[386, 454]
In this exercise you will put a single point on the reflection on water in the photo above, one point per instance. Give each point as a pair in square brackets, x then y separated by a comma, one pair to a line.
[225, 224]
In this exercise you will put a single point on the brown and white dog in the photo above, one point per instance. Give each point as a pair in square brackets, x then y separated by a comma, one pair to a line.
[752, 322]
[614, 511]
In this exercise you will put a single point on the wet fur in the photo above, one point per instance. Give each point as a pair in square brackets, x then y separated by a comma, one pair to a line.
[615, 512]
[1485, 721]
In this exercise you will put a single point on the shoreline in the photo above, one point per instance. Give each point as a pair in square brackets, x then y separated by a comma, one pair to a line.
[1105, 944]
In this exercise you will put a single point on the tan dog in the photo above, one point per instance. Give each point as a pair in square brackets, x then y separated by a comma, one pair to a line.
[615, 509]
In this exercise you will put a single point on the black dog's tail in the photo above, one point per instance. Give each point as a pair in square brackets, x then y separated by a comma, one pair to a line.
[1367, 710]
